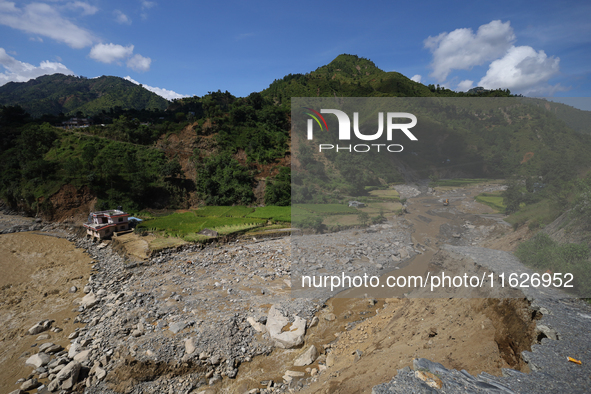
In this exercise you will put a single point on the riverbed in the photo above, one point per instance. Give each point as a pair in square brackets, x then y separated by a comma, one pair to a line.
[38, 272]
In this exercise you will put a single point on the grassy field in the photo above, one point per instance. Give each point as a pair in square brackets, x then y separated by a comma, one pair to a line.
[182, 224]
[374, 208]
[458, 182]
[493, 200]
[297, 210]
[327, 209]
[389, 194]
[538, 214]
[216, 211]
[316, 215]
[334, 216]
[160, 243]
[178, 227]
[543, 253]
[185, 226]
[278, 214]
[341, 220]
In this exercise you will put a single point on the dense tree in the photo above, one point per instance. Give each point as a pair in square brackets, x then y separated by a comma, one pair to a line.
[221, 180]
[278, 191]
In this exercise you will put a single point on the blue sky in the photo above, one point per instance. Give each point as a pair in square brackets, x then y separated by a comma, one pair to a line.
[186, 47]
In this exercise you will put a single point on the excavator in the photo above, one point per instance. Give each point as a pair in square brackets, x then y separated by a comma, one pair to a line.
[446, 202]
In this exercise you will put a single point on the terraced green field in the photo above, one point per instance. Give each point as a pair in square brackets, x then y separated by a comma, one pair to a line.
[224, 220]
[238, 211]
[493, 200]
[182, 224]
[458, 182]
[278, 214]
[327, 209]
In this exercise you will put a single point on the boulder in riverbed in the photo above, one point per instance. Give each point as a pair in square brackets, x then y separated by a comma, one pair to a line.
[292, 337]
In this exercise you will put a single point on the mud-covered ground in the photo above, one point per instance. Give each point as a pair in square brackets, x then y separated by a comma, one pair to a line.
[223, 319]
[38, 274]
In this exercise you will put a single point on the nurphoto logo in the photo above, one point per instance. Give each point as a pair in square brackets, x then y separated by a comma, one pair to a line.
[345, 130]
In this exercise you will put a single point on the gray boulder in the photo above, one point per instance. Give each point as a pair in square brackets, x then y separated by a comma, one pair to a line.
[89, 300]
[72, 369]
[307, 358]
[276, 321]
[38, 360]
[30, 384]
[40, 327]
[177, 327]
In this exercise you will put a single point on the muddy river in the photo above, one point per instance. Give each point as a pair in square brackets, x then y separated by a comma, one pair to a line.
[37, 273]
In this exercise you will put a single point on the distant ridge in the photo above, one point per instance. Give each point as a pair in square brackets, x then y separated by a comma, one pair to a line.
[52, 94]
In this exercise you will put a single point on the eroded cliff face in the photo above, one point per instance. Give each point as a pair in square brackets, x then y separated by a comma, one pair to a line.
[182, 146]
[70, 203]
[566, 229]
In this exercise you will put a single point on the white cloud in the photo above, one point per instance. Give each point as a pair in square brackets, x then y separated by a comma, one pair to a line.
[44, 20]
[465, 85]
[17, 71]
[523, 70]
[462, 49]
[109, 53]
[139, 63]
[167, 94]
[416, 78]
[120, 17]
[146, 5]
[86, 8]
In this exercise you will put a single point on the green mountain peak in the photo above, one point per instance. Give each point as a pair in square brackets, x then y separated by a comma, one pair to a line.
[52, 94]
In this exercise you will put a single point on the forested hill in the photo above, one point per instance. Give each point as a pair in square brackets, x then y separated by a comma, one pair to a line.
[58, 93]
[354, 76]
[220, 149]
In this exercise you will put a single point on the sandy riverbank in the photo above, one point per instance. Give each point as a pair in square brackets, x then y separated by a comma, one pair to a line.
[38, 271]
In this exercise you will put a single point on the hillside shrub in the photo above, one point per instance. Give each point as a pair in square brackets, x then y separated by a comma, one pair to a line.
[543, 253]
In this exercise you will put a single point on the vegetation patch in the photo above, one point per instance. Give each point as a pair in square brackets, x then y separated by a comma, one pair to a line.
[195, 237]
[297, 210]
[538, 214]
[457, 182]
[386, 194]
[341, 220]
[336, 217]
[372, 188]
[493, 200]
[161, 243]
[328, 209]
[179, 227]
[186, 223]
[236, 228]
[543, 253]
[220, 211]
[381, 207]
[277, 214]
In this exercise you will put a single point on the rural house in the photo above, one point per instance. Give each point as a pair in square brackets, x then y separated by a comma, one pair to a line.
[75, 123]
[103, 224]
